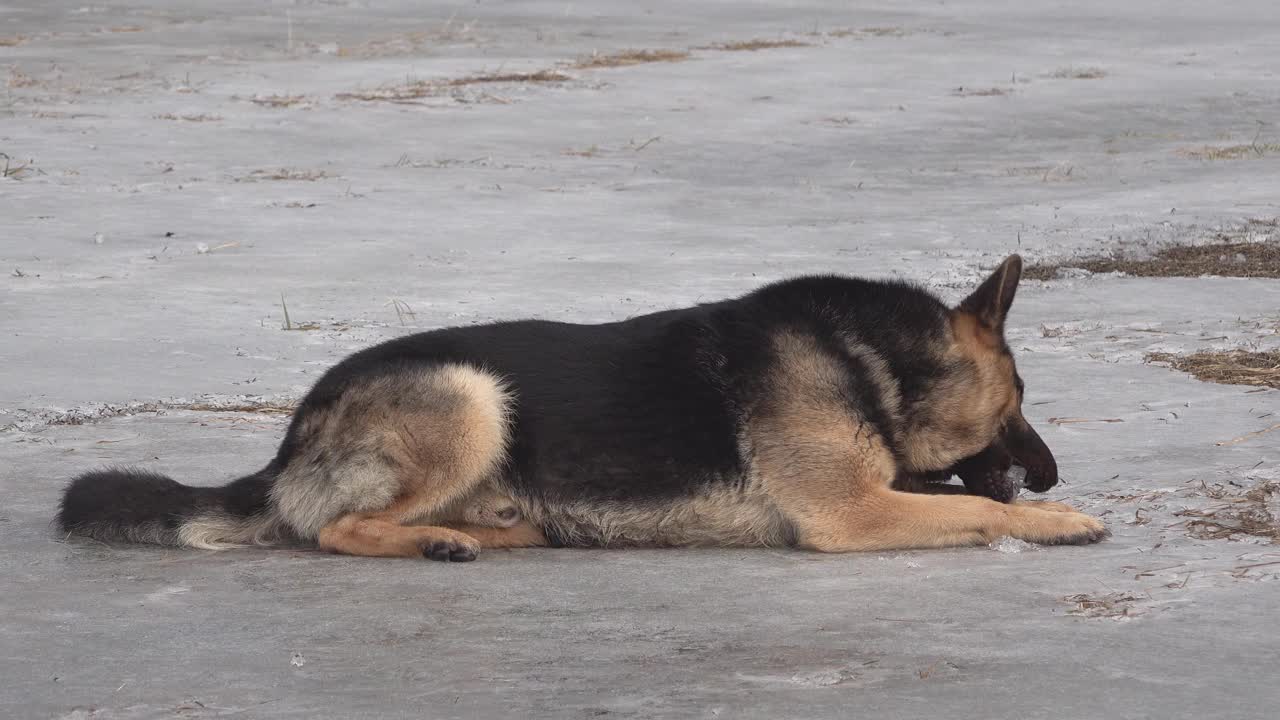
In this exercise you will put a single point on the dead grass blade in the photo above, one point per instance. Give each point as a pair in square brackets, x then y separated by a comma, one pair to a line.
[1230, 152]
[196, 117]
[259, 408]
[1078, 73]
[754, 45]
[1110, 605]
[541, 76]
[285, 174]
[980, 92]
[17, 172]
[1247, 436]
[419, 89]
[1076, 421]
[278, 101]
[882, 31]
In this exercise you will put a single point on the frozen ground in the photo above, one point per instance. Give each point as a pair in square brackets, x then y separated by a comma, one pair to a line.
[920, 138]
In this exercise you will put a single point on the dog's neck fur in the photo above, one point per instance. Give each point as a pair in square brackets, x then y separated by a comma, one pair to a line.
[911, 354]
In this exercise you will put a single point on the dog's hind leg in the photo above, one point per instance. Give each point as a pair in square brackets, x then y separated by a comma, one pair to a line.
[384, 534]
[392, 450]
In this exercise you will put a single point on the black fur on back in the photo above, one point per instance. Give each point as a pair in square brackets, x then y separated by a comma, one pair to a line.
[650, 408]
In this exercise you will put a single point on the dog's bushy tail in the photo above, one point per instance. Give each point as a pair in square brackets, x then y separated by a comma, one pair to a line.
[145, 507]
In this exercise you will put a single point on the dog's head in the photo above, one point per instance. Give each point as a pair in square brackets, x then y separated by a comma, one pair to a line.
[975, 401]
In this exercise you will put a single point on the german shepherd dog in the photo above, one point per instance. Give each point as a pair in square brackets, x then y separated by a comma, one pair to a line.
[780, 418]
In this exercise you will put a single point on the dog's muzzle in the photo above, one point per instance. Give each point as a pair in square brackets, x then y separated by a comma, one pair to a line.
[1028, 450]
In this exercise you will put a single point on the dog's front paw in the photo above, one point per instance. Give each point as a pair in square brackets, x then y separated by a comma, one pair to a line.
[1076, 528]
[449, 551]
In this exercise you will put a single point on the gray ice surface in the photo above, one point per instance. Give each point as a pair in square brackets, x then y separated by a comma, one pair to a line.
[145, 250]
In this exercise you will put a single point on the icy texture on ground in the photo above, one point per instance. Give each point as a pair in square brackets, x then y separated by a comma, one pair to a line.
[180, 174]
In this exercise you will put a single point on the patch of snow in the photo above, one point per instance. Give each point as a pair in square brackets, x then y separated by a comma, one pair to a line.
[1072, 273]
[1012, 545]
[822, 678]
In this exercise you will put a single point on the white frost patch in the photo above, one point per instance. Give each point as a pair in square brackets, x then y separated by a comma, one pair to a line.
[1012, 545]
[297, 660]
[823, 678]
[1072, 273]
[165, 594]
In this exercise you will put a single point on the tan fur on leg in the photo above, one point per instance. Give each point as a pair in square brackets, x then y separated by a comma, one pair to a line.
[522, 534]
[889, 520]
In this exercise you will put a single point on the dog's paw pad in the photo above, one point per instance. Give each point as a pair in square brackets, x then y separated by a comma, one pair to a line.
[448, 551]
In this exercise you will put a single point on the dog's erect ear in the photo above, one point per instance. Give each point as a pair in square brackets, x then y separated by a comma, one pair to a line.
[990, 303]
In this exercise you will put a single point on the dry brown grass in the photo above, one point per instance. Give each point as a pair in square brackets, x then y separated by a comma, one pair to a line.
[1230, 152]
[278, 101]
[419, 89]
[884, 31]
[1246, 514]
[980, 92]
[93, 414]
[584, 152]
[754, 45]
[19, 79]
[201, 117]
[630, 57]
[1061, 172]
[260, 408]
[541, 76]
[1078, 73]
[285, 174]
[396, 93]
[875, 31]
[1227, 367]
[1228, 257]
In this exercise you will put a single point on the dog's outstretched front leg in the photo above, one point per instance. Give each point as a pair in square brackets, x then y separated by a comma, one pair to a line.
[891, 520]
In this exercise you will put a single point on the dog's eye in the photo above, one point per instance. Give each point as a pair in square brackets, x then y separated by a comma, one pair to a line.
[508, 514]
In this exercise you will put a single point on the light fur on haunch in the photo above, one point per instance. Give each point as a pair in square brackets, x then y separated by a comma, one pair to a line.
[420, 440]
